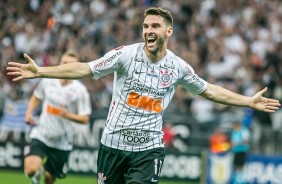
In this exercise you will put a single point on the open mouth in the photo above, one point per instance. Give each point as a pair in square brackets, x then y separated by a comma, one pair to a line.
[151, 40]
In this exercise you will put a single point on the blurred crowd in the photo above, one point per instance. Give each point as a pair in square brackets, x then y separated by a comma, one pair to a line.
[235, 44]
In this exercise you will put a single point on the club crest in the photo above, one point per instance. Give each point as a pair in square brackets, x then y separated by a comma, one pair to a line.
[165, 77]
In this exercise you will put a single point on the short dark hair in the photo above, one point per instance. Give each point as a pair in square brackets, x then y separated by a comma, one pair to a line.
[161, 12]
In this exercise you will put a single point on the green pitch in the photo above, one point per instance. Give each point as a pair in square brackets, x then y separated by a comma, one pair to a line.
[16, 177]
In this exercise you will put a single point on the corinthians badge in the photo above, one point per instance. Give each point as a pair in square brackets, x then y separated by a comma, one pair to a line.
[165, 76]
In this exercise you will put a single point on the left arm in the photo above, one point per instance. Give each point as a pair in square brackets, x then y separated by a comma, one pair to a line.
[258, 102]
[81, 119]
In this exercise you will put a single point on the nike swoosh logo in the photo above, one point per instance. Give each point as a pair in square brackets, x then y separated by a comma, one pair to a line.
[153, 180]
[138, 72]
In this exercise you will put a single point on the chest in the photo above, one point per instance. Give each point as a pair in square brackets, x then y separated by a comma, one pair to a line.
[159, 77]
[61, 95]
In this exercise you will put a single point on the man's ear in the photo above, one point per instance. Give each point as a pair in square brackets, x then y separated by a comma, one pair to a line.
[169, 31]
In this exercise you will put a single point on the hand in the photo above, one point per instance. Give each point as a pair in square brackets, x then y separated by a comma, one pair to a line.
[29, 119]
[23, 71]
[264, 104]
[64, 112]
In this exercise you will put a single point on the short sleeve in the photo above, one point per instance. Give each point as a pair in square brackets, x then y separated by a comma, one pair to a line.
[190, 80]
[109, 63]
[39, 90]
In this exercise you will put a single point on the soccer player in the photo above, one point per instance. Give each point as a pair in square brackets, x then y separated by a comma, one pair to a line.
[64, 102]
[146, 77]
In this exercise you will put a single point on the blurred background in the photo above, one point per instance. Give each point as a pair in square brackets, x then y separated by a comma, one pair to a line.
[234, 44]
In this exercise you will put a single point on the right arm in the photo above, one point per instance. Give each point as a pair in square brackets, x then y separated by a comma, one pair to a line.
[32, 104]
[75, 70]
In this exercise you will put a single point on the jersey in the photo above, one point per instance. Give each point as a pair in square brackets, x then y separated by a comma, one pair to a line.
[53, 130]
[142, 91]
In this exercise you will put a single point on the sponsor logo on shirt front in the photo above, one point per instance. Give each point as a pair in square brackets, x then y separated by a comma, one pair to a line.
[139, 60]
[53, 110]
[138, 87]
[144, 102]
[135, 137]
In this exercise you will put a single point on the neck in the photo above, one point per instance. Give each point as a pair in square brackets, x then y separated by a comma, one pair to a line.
[155, 56]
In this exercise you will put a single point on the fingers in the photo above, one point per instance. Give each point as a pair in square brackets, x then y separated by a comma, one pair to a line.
[15, 69]
[14, 64]
[14, 73]
[27, 58]
[32, 123]
[274, 104]
[270, 111]
[17, 78]
[271, 107]
[269, 100]
[263, 91]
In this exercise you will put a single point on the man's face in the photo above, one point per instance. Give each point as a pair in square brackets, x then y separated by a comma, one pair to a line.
[155, 33]
[68, 59]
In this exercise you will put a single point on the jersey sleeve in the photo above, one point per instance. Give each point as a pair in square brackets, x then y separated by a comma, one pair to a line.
[190, 80]
[39, 90]
[109, 63]
[84, 104]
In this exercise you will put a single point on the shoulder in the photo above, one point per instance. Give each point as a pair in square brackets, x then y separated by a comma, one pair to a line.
[126, 47]
[173, 57]
[182, 64]
[78, 85]
[46, 82]
[122, 50]
[129, 49]
[139, 45]
[125, 52]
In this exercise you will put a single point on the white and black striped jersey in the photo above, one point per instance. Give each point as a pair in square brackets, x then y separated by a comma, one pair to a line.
[53, 130]
[142, 91]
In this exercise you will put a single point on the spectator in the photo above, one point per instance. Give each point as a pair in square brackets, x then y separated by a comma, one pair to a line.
[169, 136]
[240, 137]
[219, 141]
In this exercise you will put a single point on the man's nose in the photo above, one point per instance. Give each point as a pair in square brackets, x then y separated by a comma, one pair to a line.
[149, 30]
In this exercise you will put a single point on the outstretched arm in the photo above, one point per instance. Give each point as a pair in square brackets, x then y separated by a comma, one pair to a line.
[30, 70]
[221, 95]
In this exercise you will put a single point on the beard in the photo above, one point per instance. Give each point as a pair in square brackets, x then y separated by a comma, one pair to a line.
[158, 45]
